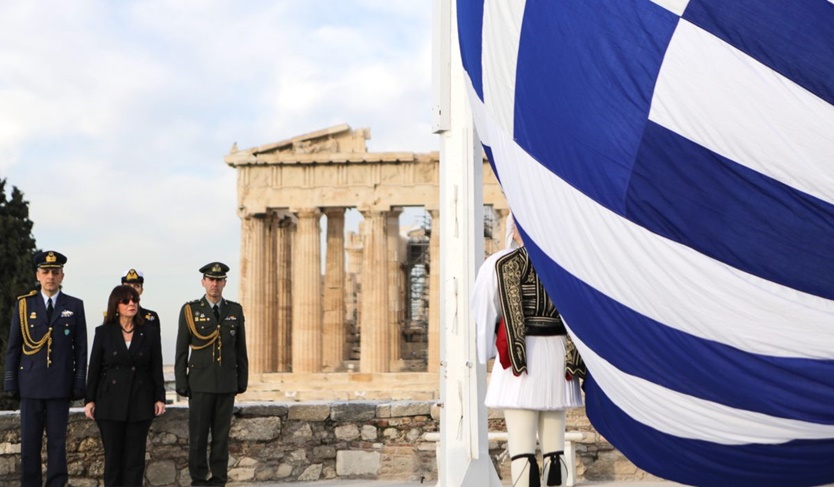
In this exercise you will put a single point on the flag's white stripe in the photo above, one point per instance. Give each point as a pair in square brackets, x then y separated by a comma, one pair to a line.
[712, 93]
[499, 54]
[690, 417]
[675, 6]
[652, 275]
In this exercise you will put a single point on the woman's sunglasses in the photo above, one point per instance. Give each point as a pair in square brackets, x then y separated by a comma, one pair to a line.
[128, 300]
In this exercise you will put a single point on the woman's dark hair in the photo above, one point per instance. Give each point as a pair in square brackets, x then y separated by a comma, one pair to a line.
[117, 294]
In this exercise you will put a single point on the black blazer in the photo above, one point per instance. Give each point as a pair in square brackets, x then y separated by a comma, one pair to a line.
[125, 383]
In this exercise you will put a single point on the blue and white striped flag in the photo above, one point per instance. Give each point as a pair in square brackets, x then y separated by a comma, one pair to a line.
[671, 166]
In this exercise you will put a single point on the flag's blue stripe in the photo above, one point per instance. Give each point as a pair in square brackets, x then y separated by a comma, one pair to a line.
[470, 18]
[586, 71]
[689, 194]
[697, 462]
[584, 81]
[794, 38]
[793, 388]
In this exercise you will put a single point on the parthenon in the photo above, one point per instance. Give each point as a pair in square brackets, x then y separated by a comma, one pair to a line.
[297, 319]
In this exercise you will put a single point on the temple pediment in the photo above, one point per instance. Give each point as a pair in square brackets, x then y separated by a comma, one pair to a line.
[339, 140]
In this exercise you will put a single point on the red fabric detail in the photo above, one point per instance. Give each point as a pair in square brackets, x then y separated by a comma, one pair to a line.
[502, 345]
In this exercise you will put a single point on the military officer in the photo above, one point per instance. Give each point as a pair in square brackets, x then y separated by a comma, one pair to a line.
[46, 367]
[136, 280]
[211, 366]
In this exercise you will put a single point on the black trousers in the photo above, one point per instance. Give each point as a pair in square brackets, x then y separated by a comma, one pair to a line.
[124, 451]
[209, 412]
[35, 415]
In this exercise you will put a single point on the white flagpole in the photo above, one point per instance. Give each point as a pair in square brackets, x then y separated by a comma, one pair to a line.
[463, 455]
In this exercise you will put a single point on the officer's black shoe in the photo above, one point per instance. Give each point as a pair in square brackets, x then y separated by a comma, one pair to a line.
[200, 483]
[216, 483]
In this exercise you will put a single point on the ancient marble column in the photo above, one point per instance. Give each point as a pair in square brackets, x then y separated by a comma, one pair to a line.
[434, 293]
[269, 291]
[395, 284]
[376, 330]
[284, 231]
[333, 346]
[253, 300]
[306, 296]
[247, 281]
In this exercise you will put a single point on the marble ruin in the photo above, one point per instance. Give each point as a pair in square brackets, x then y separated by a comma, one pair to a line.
[302, 321]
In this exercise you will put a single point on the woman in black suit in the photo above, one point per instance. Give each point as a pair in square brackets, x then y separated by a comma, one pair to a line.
[125, 386]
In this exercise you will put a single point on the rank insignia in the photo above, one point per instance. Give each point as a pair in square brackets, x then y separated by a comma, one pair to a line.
[66, 313]
[33, 315]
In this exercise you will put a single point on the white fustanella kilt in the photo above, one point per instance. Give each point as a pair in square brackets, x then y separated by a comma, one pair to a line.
[543, 387]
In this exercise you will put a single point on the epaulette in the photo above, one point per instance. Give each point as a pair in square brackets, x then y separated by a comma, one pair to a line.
[30, 293]
[231, 302]
[194, 301]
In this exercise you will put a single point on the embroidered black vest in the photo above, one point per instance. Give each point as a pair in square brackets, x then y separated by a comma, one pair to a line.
[526, 306]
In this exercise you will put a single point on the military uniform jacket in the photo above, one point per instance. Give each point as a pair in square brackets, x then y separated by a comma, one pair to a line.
[125, 382]
[61, 363]
[150, 316]
[211, 355]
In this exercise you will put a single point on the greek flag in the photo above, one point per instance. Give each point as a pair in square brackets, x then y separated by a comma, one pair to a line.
[671, 166]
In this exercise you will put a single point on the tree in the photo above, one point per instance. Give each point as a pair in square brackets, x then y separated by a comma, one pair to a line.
[17, 272]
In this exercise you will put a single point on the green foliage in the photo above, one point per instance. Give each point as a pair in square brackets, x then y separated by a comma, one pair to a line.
[17, 273]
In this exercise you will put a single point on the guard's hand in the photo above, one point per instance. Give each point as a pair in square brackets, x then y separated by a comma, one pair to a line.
[90, 410]
[12, 395]
[184, 392]
[77, 394]
[158, 408]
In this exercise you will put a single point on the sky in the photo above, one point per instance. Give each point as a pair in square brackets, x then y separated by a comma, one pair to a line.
[115, 118]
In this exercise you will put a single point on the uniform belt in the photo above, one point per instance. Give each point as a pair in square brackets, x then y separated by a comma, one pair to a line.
[543, 326]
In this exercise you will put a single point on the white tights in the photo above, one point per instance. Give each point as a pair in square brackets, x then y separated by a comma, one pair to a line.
[523, 425]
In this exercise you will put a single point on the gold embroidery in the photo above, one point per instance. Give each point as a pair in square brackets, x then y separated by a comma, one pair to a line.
[212, 338]
[510, 269]
[30, 345]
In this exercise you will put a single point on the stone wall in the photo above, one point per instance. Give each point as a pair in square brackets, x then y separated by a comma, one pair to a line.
[296, 442]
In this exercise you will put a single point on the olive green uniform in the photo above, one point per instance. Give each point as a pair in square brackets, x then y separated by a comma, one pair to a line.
[216, 369]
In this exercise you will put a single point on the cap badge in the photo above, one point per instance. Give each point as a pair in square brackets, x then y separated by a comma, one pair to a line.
[50, 257]
[131, 275]
[216, 268]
